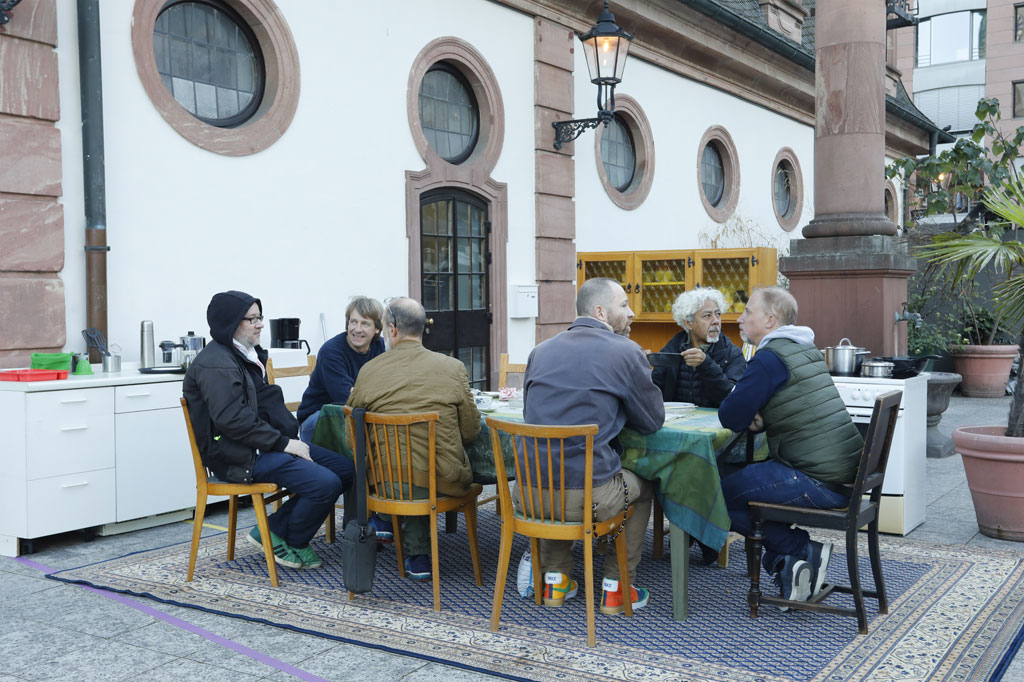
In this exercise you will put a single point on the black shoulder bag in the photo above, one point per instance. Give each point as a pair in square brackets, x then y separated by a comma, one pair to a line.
[359, 542]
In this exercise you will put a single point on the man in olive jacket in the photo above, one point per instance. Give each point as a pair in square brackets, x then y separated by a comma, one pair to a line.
[409, 378]
[245, 432]
[787, 391]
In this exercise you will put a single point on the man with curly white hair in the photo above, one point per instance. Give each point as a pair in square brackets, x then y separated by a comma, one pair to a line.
[711, 363]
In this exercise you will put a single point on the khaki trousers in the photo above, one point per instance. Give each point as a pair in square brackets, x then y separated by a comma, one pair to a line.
[609, 497]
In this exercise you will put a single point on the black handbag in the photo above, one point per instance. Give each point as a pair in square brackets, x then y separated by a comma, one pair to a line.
[359, 542]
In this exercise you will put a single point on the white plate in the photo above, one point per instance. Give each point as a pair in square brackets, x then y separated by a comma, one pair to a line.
[679, 406]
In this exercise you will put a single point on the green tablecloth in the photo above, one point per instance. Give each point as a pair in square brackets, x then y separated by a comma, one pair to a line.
[680, 457]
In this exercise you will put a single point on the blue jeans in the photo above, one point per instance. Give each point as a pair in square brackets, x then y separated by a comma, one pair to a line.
[772, 481]
[316, 485]
[308, 427]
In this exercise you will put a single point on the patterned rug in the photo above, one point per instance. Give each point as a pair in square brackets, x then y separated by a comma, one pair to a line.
[955, 614]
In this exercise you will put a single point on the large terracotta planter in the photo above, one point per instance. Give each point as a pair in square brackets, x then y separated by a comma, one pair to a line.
[994, 464]
[985, 369]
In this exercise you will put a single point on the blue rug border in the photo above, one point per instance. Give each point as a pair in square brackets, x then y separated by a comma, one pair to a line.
[1008, 656]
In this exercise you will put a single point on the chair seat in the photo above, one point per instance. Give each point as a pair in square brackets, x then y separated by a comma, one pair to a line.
[568, 528]
[241, 488]
[821, 518]
[417, 507]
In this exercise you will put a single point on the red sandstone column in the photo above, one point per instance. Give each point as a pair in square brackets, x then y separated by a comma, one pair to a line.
[849, 130]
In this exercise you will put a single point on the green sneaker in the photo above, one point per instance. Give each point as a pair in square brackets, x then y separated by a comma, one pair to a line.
[310, 559]
[284, 553]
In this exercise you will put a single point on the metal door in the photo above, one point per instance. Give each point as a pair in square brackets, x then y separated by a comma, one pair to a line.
[455, 258]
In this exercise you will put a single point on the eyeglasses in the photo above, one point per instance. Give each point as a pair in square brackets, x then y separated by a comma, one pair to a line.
[253, 319]
[389, 315]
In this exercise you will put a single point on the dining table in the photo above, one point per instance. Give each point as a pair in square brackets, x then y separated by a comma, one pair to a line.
[681, 459]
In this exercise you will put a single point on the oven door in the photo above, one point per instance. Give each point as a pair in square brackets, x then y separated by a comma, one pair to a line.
[895, 475]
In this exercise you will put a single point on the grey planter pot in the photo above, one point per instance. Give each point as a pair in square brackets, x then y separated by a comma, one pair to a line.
[940, 388]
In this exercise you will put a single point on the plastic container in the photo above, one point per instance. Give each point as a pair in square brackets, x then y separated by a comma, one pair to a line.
[33, 374]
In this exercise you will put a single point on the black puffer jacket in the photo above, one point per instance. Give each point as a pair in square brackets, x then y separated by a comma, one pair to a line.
[707, 384]
[234, 411]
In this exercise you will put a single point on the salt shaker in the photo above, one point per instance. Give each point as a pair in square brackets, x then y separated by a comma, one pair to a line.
[147, 345]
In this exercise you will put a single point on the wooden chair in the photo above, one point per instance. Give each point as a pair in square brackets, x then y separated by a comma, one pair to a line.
[300, 371]
[273, 374]
[506, 368]
[207, 484]
[548, 446]
[849, 519]
[389, 480]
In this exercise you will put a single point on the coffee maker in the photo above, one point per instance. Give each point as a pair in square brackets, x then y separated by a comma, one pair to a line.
[284, 333]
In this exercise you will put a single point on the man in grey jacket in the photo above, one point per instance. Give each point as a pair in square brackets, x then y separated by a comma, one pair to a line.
[592, 373]
[245, 432]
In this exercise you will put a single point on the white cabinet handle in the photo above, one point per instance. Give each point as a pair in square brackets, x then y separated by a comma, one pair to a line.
[74, 485]
[137, 395]
[76, 400]
[73, 428]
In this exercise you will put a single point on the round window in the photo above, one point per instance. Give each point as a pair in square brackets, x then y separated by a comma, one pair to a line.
[618, 154]
[712, 174]
[449, 115]
[782, 188]
[210, 61]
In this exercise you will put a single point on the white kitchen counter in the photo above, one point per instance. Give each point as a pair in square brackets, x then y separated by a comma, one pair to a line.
[129, 374]
[92, 452]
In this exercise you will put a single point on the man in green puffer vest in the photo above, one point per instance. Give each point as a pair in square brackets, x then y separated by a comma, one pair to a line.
[787, 391]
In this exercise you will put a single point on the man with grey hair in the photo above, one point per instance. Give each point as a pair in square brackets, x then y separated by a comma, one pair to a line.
[711, 363]
[592, 374]
[815, 448]
[409, 378]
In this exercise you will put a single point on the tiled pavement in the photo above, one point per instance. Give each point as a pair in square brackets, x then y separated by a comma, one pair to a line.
[55, 631]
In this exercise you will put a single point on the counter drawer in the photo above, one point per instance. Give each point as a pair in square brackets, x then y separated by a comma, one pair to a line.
[140, 397]
[64, 503]
[59, 406]
[68, 443]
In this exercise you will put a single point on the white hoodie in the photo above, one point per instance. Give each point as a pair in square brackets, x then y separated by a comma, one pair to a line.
[804, 335]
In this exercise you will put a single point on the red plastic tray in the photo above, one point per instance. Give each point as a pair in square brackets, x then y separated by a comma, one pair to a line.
[33, 374]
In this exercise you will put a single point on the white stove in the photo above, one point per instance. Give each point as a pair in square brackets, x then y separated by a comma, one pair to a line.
[904, 491]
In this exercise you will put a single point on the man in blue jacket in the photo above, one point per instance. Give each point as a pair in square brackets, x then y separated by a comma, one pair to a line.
[593, 374]
[339, 361]
[815, 447]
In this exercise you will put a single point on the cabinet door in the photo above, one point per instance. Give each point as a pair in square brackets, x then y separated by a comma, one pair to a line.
[617, 265]
[154, 474]
[729, 271]
[660, 276]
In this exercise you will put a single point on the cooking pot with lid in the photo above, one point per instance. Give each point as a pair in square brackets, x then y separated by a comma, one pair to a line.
[845, 359]
[877, 369]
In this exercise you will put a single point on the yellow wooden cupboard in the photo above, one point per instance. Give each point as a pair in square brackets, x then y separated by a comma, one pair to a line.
[654, 279]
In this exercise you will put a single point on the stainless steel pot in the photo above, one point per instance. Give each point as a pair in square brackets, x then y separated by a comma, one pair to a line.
[877, 369]
[845, 359]
[193, 342]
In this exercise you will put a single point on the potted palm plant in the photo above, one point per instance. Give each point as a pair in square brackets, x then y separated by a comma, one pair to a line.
[993, 456]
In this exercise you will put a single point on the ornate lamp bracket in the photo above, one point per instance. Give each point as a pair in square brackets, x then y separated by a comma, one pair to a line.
[5, 7]
[567, 131]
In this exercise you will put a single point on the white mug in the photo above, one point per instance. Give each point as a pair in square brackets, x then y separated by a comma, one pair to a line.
[483, 401]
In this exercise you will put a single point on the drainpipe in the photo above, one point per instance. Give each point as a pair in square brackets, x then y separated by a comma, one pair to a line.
[96, 248]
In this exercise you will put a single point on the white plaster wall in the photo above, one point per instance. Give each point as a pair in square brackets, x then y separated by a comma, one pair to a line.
[317, 217]
[680, 111]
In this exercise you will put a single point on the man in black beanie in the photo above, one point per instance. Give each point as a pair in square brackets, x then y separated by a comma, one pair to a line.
[245, 432]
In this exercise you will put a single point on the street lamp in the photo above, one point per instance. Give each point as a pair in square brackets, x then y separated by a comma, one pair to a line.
[605, 47]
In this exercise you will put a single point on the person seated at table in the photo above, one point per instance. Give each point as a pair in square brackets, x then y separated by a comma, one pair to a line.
[711, 363]
[339, 361]
[410, 378]
[592, 374]
[815, 447]
[246, 433]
